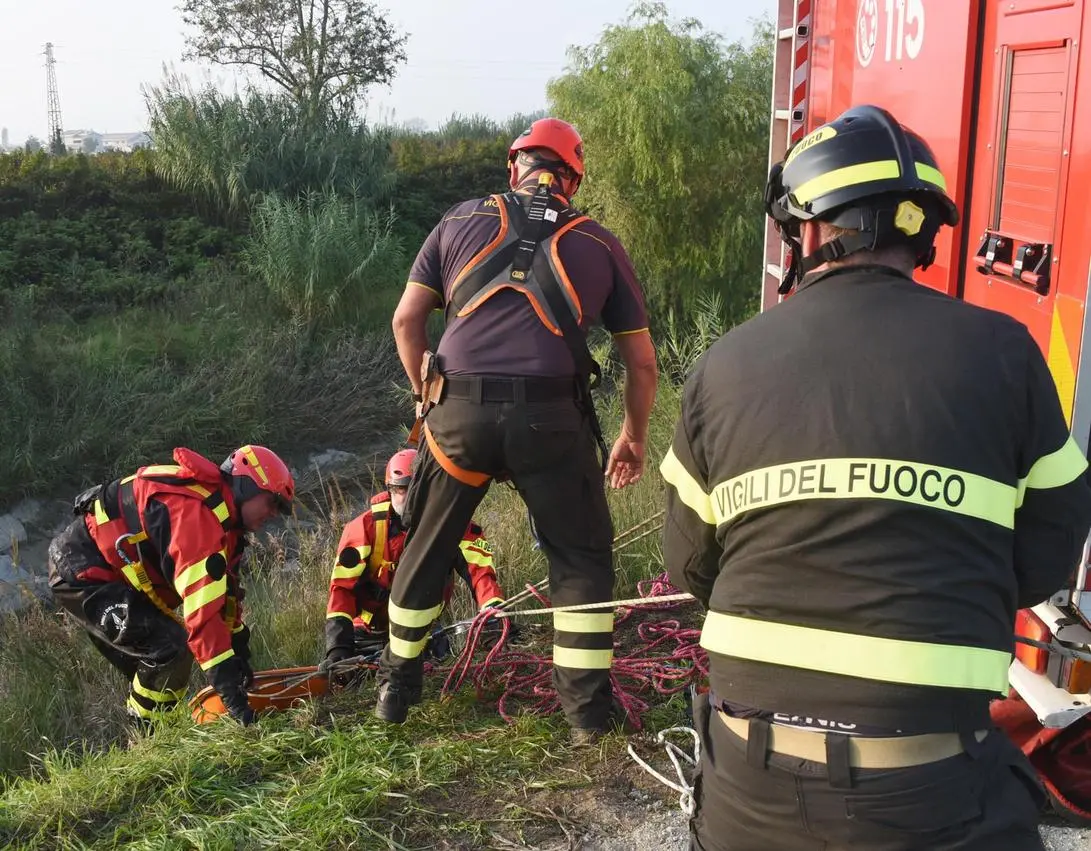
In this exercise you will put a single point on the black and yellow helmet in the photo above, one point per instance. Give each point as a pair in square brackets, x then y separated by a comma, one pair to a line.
[864, 172]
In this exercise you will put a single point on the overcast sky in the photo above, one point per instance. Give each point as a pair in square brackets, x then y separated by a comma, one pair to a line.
[462, 56]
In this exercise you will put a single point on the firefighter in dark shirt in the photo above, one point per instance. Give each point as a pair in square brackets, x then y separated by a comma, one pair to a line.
[865, 483]
[515, 407]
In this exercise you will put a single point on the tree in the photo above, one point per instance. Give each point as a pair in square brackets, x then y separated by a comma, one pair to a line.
[323, 53]
[676, 134]
[32, 145]
[90, 143]
[56, 145]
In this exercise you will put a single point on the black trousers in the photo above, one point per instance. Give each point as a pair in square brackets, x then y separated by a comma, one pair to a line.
[986, 802]
[548, 451]
[148, 647]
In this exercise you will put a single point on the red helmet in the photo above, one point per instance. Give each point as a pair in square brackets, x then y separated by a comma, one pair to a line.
[253, 469]
[555, 135]
[399, 469]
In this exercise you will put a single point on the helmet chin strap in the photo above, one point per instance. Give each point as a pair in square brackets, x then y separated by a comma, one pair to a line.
[874, 229]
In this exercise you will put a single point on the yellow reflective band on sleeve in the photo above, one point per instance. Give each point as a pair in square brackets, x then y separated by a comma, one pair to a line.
[341, 572]
[216, 660]
[407, 649]
[925, 485]
[413, 618]
[204, 596]
[583, 621]
[865, 656]
[688, 488]
[200, 490]
[197, 570]
[344, 615]
[475, 556]
[840, 178]
[188, 576]
[587, 660]
[168, 696]
[101, 517]
[492, 601]
[1054, 470]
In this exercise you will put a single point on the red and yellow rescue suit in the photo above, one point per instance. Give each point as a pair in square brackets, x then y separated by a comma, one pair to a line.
[139, 548]
[368, 554]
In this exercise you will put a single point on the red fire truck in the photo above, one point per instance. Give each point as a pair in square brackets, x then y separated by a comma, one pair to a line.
[998, 88]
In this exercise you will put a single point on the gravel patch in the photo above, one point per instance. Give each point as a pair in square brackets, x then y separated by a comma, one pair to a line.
[667, 831]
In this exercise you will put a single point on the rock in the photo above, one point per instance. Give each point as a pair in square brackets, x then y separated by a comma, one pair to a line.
[292, 566]
[28, 511]
[330, 458]
[17, 587]
[33, 556]
[12, 532]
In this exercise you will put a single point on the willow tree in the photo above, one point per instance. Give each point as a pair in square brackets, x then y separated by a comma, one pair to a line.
[675, 124]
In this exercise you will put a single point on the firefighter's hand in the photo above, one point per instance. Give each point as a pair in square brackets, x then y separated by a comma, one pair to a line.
[626, 464]
[334, 656]
[246, 679]
[227, 679]
[240, 643]
[244, 715]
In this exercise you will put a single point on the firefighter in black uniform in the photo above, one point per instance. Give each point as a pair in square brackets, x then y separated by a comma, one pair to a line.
[865, 483]
[521, 277]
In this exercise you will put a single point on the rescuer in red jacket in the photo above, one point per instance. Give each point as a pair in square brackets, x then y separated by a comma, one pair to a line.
[368, 554]
[166, 536]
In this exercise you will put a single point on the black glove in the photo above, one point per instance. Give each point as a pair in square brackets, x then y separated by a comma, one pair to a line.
[240, 643]
[342, 679]
[368, 643]
[438, 646]
[227, 679]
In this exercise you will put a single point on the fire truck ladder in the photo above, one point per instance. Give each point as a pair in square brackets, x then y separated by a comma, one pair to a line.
[791, 73]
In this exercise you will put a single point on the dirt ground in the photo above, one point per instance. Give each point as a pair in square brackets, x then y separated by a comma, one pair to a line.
[632, 810]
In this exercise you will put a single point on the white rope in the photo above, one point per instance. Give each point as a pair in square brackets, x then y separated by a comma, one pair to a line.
[685, 791]
[616, 604]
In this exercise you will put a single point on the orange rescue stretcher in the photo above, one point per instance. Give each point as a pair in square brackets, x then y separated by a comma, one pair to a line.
[276, 689]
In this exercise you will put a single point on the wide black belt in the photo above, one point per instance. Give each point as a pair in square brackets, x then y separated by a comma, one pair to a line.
[481, 388]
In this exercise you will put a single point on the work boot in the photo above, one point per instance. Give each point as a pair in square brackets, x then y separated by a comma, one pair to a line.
[585, 737]
[394, 700]
[616, 722]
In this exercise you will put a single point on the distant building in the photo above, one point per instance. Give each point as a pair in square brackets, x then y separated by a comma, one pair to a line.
[89, 141]
[4, 139]
[125, 142]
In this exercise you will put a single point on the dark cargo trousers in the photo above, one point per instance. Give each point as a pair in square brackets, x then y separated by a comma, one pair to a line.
[989, 801]
[532, 431]
[148, 647]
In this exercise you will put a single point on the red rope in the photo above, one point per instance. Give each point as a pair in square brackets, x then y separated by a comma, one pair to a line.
[667, 658]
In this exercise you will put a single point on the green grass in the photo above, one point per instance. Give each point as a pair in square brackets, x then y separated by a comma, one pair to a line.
[213, 368]
[324, 775]
[327, 774]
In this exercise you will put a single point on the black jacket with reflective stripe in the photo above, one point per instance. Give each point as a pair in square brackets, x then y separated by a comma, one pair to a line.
[852, 460]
